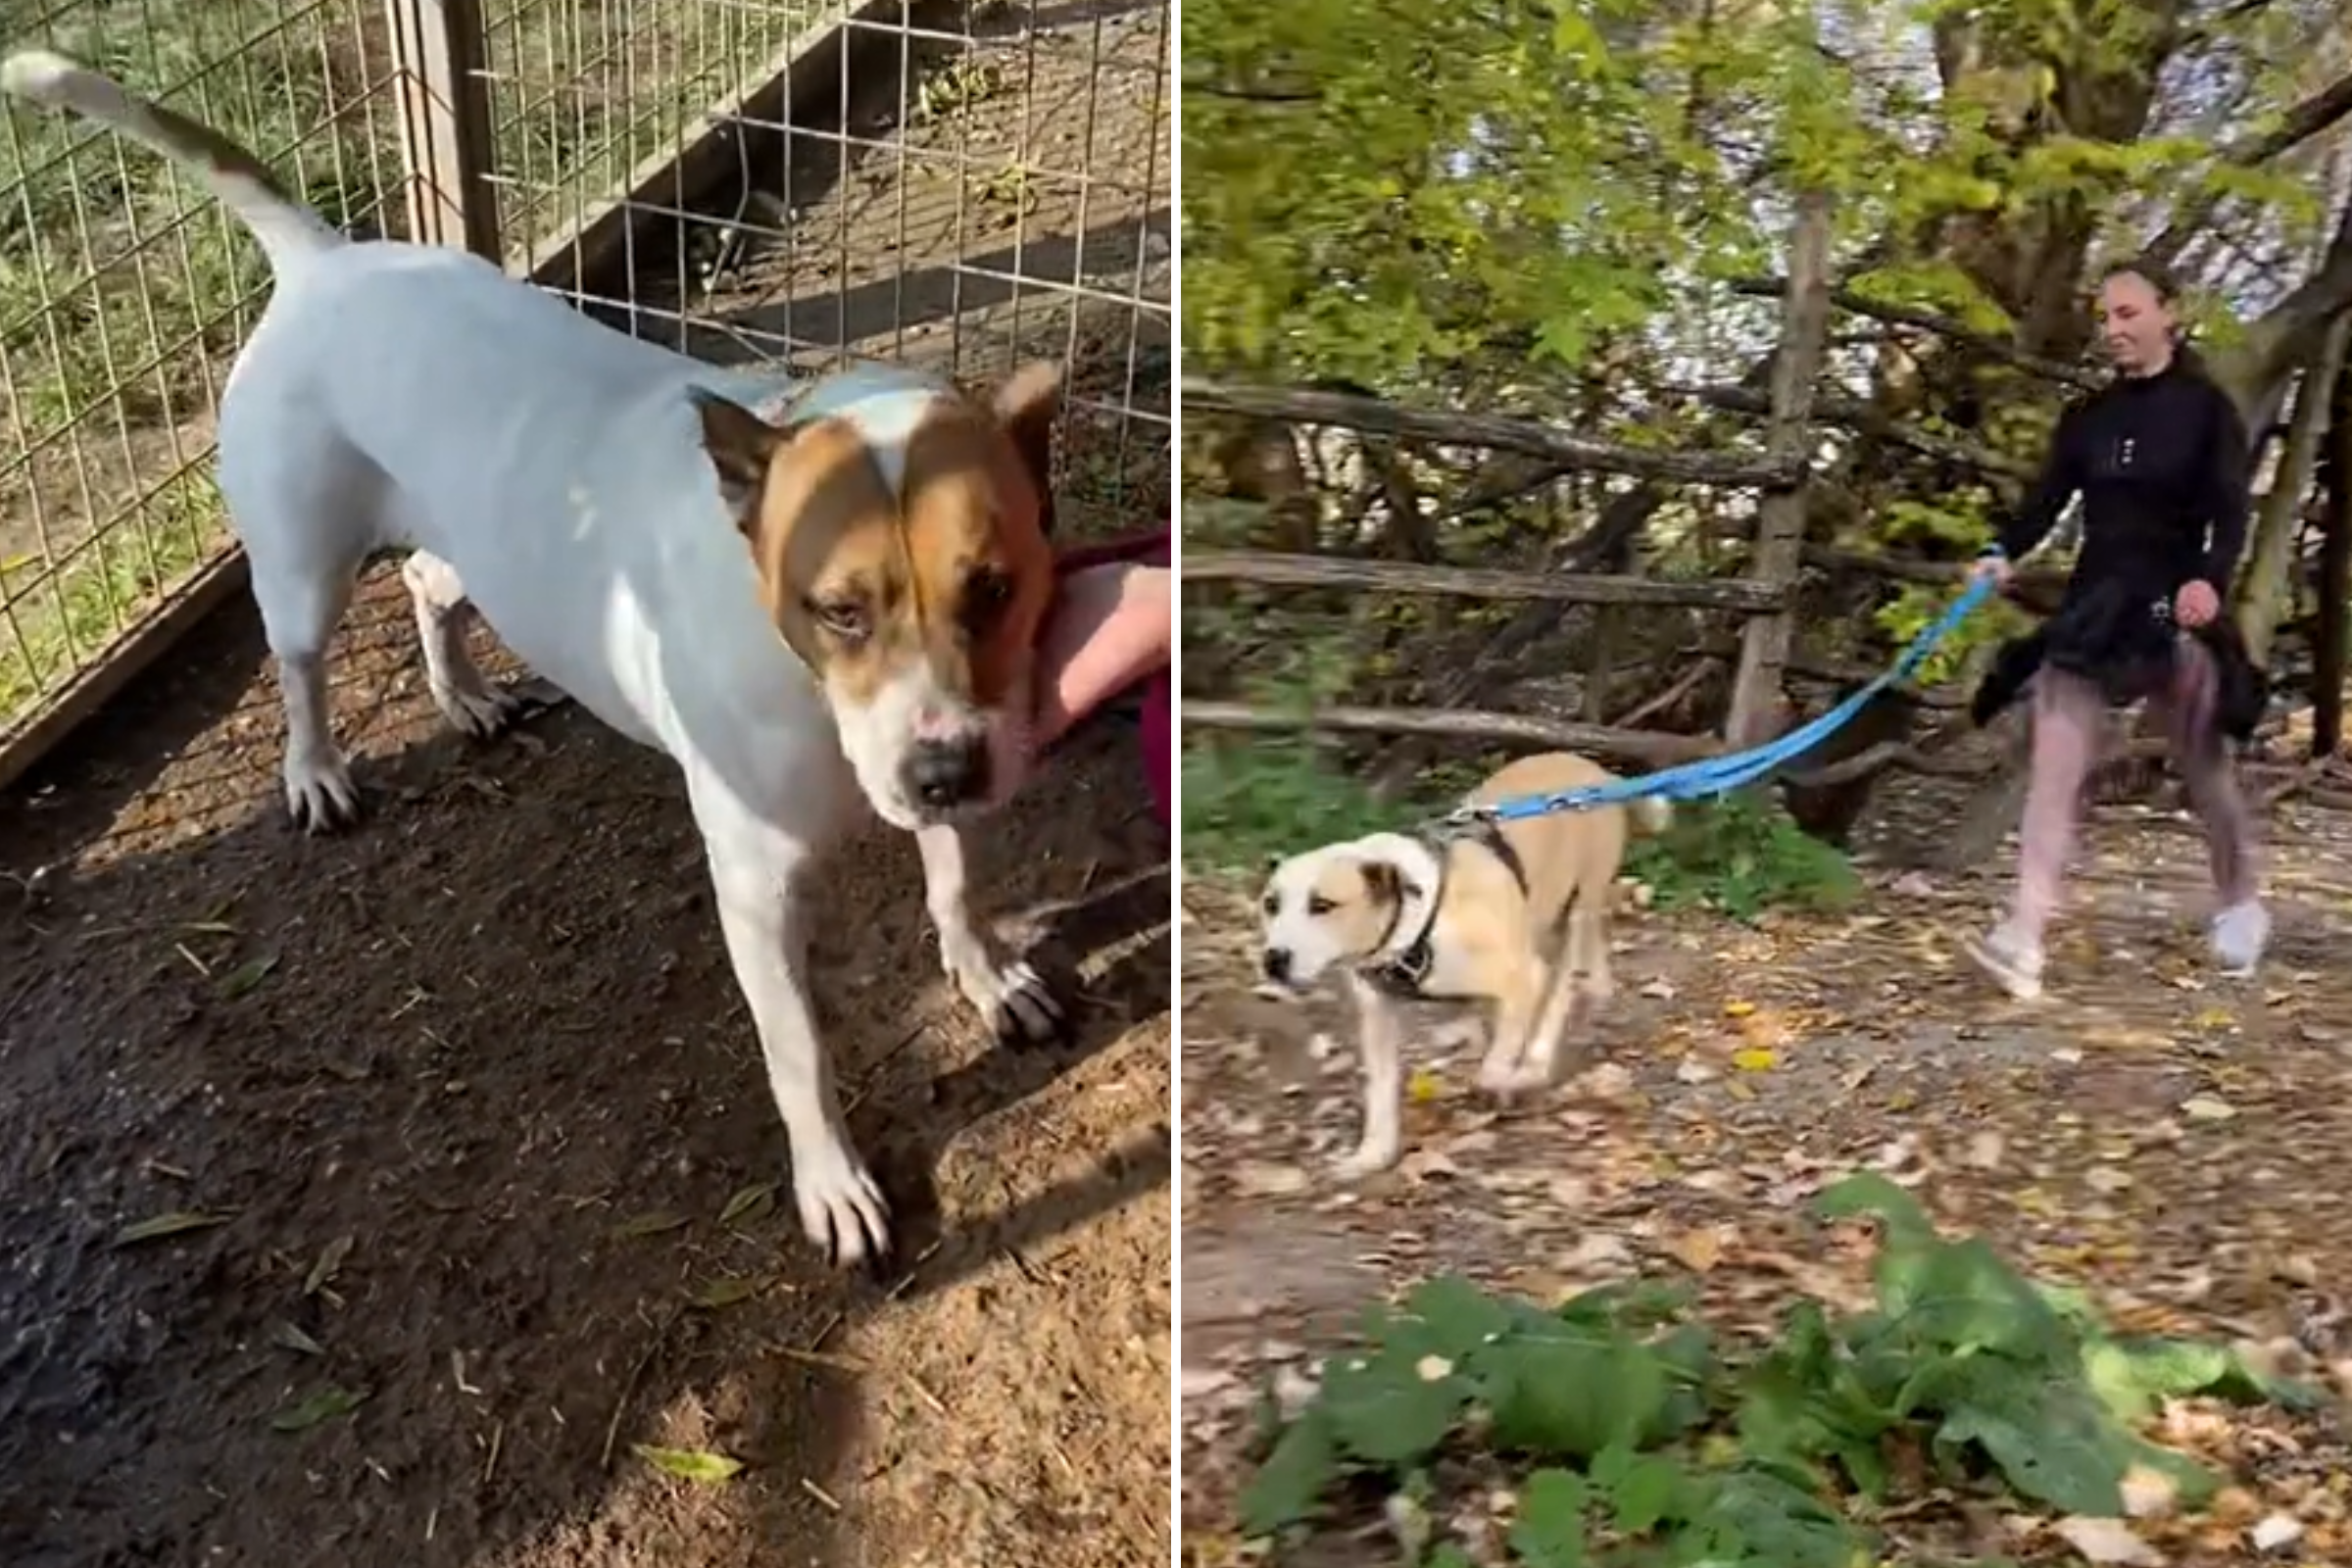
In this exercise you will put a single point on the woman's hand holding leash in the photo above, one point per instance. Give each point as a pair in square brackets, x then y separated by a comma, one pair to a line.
[1993, 567]
[2197, 605]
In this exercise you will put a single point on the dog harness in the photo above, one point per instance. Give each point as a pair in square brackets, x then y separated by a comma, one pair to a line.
[1406, 975]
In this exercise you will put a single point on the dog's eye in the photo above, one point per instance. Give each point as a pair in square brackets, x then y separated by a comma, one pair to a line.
[845, 618]
[1319, 905]
[1271, 905]
[985, 597]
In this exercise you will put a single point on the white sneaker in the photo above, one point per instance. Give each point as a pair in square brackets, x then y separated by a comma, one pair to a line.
[2239, 934]
[2013, 963]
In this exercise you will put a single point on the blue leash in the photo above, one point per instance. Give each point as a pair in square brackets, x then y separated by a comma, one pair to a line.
[1720, 775]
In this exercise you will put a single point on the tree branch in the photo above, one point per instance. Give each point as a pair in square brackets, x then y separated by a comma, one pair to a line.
[2303, 121]
[1525, 436]
[1857, 415]
[1269, 570]
[1593, 740]
[1941, 325]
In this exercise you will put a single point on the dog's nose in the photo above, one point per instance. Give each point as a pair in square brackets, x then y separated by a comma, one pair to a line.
[1278, 966]
[945, 773]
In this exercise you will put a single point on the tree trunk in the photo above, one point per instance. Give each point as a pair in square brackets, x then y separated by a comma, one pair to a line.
[1781, 521]
[2268, 573]
[2336, 583]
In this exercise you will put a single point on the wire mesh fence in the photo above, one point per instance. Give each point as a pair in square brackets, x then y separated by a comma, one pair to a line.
[956, 186]
[961, 186]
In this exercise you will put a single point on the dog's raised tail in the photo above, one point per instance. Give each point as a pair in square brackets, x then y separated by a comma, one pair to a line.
[1652, 814]
[288, 231]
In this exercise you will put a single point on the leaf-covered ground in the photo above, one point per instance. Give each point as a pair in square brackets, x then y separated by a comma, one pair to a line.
[2172, 1144]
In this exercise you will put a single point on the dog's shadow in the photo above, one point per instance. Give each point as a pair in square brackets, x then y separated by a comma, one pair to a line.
[1127, 920]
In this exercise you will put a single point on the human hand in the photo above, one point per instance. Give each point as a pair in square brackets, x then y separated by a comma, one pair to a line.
[2197, 605]
[1111, 626]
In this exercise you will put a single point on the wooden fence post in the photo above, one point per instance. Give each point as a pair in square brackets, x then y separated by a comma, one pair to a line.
[445, 128]
[1765, 641]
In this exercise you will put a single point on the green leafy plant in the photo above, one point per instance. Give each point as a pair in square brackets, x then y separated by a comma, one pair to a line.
[1741, 854]
[1245, 804]
[1638, 1445]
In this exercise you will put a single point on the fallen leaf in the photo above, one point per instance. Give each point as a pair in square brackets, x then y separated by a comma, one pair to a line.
[2107, 1542]
[1570, 1192]
[1600, 1250]
[287, 1336]
[1257, 1178]
[727, 1292]
[1755, 1059]
[2148, 1494]
[1427, 1164]
[246, 976]
[2276, 1531]
[2207, 1107]
[1692, 1071]
[748, 1203]
[1700, 1249]
[324, 1406]
[638, 1226]
[1198, 1382]
[1738, 1010]
[1985, 1149]
[1610, 1080]
[179, 1221]
[690, 1464]
[328, 1265]
[1423, 1086]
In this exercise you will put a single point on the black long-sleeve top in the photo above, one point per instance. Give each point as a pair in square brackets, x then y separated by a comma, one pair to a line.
[2161, 463]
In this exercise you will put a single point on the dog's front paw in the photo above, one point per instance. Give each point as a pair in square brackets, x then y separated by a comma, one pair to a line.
[1010, 995]
[1369, 1160]
[841, 1207]
[319, 794]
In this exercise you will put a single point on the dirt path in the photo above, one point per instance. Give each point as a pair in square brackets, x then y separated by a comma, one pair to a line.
[470, 1090]
[2176, 1143]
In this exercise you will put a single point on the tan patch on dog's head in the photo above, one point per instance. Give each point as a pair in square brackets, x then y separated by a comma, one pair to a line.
[932, 593]
[954, 568]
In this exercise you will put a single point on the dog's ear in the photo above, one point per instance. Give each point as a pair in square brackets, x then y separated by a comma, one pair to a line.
[740, 445]
[1026, 406]
[1383, 883]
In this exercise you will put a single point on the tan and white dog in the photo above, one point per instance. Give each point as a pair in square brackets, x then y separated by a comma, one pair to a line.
[1513, 914]
[799, 596]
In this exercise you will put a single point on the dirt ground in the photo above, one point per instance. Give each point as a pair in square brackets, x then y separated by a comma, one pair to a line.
[2174, 1142]
[474, 1165]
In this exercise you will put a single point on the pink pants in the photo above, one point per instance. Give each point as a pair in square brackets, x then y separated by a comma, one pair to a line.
[2069, 714]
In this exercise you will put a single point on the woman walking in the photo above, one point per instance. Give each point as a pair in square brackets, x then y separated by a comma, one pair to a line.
[2160, 458]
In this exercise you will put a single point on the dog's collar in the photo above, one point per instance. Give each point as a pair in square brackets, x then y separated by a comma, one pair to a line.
[1408, 973]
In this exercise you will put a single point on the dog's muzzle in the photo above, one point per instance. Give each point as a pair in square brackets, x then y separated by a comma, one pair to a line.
[1277, 964]
[944, 774]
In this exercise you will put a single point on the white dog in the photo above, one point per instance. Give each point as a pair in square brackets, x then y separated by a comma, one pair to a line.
[763, 587]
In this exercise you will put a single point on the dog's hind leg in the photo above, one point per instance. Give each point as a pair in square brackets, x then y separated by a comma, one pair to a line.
[1519, 1007]
[1588, 950]
[1540, 1066]
[303, 551]
[473, 704]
